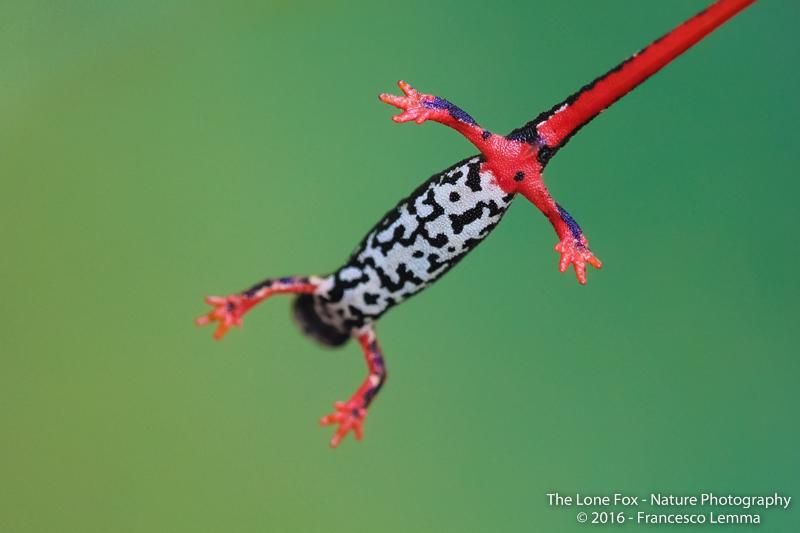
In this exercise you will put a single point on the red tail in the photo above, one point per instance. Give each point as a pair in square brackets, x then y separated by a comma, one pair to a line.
[552, 129]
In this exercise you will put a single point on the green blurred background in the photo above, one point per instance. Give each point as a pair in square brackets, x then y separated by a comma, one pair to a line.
[155, 152]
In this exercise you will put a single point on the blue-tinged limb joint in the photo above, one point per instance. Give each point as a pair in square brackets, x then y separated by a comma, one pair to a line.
[574, 228]
[455, 111]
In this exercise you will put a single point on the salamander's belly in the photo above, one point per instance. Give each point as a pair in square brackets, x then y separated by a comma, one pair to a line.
[413, 245]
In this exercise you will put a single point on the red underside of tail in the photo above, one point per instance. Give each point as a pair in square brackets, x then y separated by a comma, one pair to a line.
[564, 120]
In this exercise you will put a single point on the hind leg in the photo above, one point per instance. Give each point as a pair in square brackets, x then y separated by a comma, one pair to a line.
[350, 415]
[229, 310]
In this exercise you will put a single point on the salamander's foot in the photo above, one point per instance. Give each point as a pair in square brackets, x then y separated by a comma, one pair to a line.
[228, 311]
[578, 254]
[350, 416]
[412, 104]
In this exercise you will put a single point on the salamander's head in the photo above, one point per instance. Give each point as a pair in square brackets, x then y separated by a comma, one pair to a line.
[306, 317]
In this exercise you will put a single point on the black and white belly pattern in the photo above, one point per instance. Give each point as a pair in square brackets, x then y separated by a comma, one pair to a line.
[413, 245]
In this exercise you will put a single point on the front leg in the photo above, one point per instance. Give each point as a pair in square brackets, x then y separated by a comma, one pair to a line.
[420, 107]
[229, 310]
[573, 246]
[350, 414]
